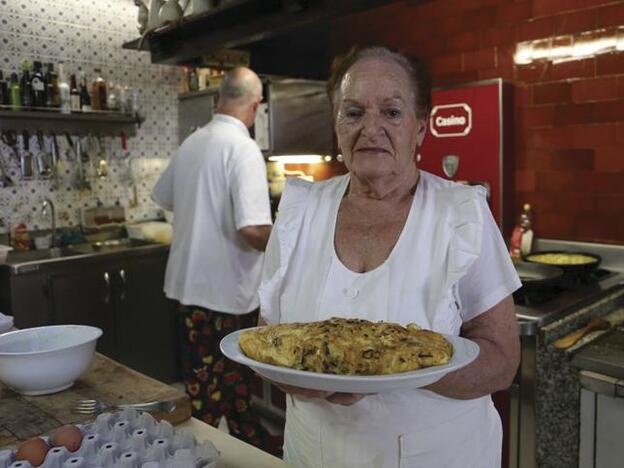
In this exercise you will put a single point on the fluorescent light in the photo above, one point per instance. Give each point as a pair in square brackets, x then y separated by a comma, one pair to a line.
[298, 158]
[570, 47]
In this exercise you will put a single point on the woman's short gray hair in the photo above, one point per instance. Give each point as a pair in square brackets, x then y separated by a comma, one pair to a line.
[418, 74]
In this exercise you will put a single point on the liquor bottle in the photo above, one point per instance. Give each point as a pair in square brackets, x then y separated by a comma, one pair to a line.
[15, 93]
[521, 243]
[63, 90]
[52, 96]
[38, 86]
[25, 85]
[74, 94]
[85, 99]
[4, 91]
[98, 92]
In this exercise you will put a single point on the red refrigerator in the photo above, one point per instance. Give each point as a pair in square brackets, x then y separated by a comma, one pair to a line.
[469, 140]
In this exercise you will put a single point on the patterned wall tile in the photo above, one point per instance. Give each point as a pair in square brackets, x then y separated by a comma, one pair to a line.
[85, 35]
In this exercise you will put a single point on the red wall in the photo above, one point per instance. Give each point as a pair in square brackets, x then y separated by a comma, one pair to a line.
[569, 150]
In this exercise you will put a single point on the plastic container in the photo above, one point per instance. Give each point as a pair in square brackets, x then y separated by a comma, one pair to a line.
[126, 439]
[43, 242]
[4, 252]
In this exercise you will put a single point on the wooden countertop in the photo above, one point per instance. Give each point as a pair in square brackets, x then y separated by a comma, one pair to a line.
[23, 416]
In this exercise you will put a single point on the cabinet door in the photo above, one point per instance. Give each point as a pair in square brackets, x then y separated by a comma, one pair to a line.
[146, 319]
[86, 297]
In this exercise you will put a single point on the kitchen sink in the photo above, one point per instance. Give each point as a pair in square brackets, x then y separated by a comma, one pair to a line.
[41, 254]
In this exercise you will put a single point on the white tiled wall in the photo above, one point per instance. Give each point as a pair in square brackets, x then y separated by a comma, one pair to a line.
[88, 34]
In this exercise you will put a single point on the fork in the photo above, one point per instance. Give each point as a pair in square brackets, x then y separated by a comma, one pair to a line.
[99, 406]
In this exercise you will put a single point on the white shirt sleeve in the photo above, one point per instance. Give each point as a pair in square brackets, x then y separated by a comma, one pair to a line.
[269, 270]
[491, 277]
[250, 189]
[162, 193]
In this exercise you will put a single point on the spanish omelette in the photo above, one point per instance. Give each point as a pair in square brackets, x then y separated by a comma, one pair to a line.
[347, 347]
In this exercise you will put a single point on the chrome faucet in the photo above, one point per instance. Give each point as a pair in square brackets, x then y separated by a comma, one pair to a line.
[47, 204]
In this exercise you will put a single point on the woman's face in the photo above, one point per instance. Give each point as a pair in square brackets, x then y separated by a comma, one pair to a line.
[376, 124]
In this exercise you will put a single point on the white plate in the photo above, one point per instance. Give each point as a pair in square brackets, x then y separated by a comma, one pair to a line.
[465, 351]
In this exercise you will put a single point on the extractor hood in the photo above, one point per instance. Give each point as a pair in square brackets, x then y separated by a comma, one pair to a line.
[286, 37]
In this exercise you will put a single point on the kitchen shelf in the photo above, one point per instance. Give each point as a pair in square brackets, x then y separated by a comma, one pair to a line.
[76, 123]
[279, 36]
[212, 90]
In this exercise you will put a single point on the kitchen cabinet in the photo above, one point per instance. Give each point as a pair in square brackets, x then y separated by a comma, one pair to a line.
[146, 319]
[121, 294]
[602, 421]
[83, 296]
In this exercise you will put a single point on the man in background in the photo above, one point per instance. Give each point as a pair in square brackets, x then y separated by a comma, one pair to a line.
[216, 185]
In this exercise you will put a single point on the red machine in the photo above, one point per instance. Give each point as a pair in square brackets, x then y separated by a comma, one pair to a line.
[469, 140]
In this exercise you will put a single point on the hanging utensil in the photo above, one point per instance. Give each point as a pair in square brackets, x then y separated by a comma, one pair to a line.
[27, 158]
[43, 166]
[80, 181]
[5, 180]
[70, 151]
[102, 165]
[9, 138]
[57, 165]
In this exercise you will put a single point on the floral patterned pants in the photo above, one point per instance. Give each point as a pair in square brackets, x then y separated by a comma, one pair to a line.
[216, 385]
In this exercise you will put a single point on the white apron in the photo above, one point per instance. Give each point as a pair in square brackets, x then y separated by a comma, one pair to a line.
[417, 283]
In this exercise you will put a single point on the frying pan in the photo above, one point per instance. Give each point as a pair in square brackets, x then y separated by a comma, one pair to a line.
[538, 276]
[568, 268]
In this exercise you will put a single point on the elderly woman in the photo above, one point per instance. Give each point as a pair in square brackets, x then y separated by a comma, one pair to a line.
[389, 242]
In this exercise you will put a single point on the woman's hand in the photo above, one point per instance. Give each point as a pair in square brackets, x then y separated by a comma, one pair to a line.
[345, 399]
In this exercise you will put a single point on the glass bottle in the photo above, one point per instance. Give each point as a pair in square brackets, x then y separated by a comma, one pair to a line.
[4, 91]
[63, 91]
[521, 243]
[98, 92]
[85, 99]
[38, 86]
[74, 94]
[112, 99]
[52, 95]
[26, 87]
[15, 93]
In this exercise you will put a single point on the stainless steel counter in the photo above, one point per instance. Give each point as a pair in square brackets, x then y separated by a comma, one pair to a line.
[19, 262]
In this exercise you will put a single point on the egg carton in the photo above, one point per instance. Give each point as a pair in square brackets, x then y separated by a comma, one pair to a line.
[126, 439]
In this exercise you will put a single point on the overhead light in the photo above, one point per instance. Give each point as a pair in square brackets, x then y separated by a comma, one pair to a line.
[299, 158]
[570, 47]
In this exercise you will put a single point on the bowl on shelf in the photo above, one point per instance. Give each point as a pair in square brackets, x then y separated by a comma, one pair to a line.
[42, 360]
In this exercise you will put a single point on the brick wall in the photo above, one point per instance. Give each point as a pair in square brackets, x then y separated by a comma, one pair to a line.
[569, 132]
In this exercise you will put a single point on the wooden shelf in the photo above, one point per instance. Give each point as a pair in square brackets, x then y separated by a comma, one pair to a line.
[76, 123]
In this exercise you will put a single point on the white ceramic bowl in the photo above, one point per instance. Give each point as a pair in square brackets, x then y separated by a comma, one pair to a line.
[38, 361]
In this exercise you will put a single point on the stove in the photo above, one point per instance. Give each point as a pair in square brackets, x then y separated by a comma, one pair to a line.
[534, 311]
